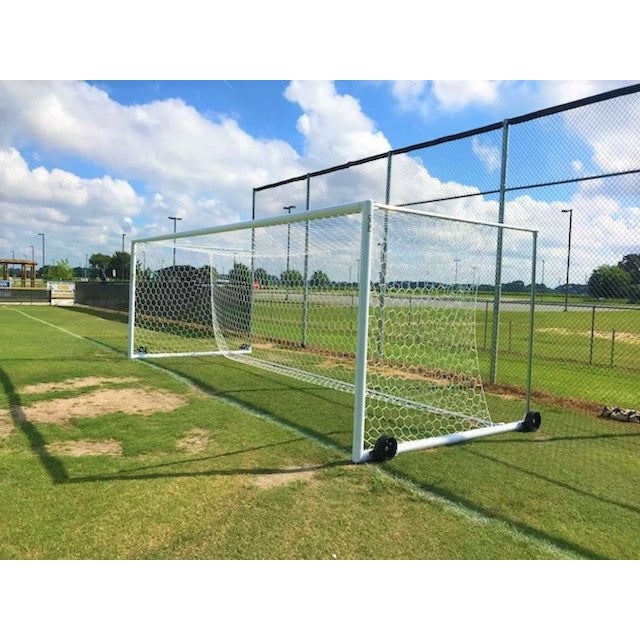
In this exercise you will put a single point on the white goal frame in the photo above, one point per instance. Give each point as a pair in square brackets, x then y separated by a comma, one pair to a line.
[366, 208]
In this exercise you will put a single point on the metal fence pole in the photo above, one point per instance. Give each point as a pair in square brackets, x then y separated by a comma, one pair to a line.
[486, 324]
[383, 259]
[305, 295]
[132, 300]
[495, 334]
[613, 345]
[253, 270]
[593, 329]
[532, 306]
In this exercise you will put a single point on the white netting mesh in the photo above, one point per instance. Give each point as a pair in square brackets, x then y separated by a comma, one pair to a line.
[285, 298]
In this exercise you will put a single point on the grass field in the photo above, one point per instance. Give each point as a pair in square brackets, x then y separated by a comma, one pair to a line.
[207, 458]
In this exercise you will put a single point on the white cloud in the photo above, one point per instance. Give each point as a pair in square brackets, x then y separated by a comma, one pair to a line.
[453, 95]
[166, 143]
[554, 92]
[488, 154]
[412, 95]
[334, 126]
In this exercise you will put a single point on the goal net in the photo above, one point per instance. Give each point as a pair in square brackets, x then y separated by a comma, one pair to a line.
[374, 301]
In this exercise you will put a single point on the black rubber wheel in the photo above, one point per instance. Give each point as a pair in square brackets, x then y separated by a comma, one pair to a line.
[384, 449]
[532, 421]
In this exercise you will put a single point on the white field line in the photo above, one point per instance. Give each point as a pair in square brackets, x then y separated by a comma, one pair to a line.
[414, 488]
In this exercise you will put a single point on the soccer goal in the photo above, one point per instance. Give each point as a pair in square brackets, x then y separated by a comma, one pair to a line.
[374, 301]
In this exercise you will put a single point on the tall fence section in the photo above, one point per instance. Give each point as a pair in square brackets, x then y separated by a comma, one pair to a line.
[573, 173]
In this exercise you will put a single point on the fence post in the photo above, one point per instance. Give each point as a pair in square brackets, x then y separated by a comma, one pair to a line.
[305, 295]
[486, 324]
[498, 280]
[593, 328]
[613, 344]
[383, 259]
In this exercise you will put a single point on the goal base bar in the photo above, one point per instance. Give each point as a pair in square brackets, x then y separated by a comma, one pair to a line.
[451, 438]
[145, 356]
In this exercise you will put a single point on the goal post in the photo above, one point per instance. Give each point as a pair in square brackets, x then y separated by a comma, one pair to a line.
[303, 296]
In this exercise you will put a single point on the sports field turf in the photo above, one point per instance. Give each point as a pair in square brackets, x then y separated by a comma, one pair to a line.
[207, 458]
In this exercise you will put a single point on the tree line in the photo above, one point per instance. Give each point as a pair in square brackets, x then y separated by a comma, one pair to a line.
[620, 281]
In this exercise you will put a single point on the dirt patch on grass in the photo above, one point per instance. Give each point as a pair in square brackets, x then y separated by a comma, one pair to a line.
[284, 476]
[80, 448]
[194, 441]
[621, 336]
[6, 423]
[75, 383]
[410, 374]
[579, 405]
[262, 345]
[132, 401]
[403, 373]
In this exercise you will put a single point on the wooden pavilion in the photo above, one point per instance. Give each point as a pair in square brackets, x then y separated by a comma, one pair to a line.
[27, 269]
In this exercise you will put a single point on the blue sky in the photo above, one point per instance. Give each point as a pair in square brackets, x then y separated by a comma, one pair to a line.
[86, 161]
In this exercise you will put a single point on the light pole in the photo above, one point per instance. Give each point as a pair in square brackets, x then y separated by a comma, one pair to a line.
[566, 291]
[13, 255]
[33, 253]
[288, 210]
[457, 261]
[123, 267]
[43, 259]
[175, 221]
[543, 261]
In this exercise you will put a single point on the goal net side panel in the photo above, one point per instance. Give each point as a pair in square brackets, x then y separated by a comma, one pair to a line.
[423, 367]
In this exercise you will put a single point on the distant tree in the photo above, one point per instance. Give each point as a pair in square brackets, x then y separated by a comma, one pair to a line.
[60, 270]
[320, 279]
[100, 262]
[634, 294]
[240, 274]
[292, 278]
[631, 264]
[517, 286]
[608, 281]
[119, 263]
[210, 272]
[262, 277]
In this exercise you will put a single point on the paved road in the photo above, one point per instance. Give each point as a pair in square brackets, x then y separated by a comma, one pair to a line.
[342, 299]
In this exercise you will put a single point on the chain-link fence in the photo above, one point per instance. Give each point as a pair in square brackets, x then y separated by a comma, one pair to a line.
[571, 171]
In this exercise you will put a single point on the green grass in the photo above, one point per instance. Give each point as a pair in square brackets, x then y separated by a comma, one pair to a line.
[570, 489]
[158, 502]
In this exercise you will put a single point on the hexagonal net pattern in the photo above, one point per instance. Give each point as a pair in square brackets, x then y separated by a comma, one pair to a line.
[286, 296]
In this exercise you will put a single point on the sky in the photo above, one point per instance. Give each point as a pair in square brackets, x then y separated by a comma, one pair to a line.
[85, 162]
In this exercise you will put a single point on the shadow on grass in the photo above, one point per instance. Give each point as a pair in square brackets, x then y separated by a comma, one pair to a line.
[115, 316]
[52, 465]
[131, 474]
[529, 442]
[558, 483]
